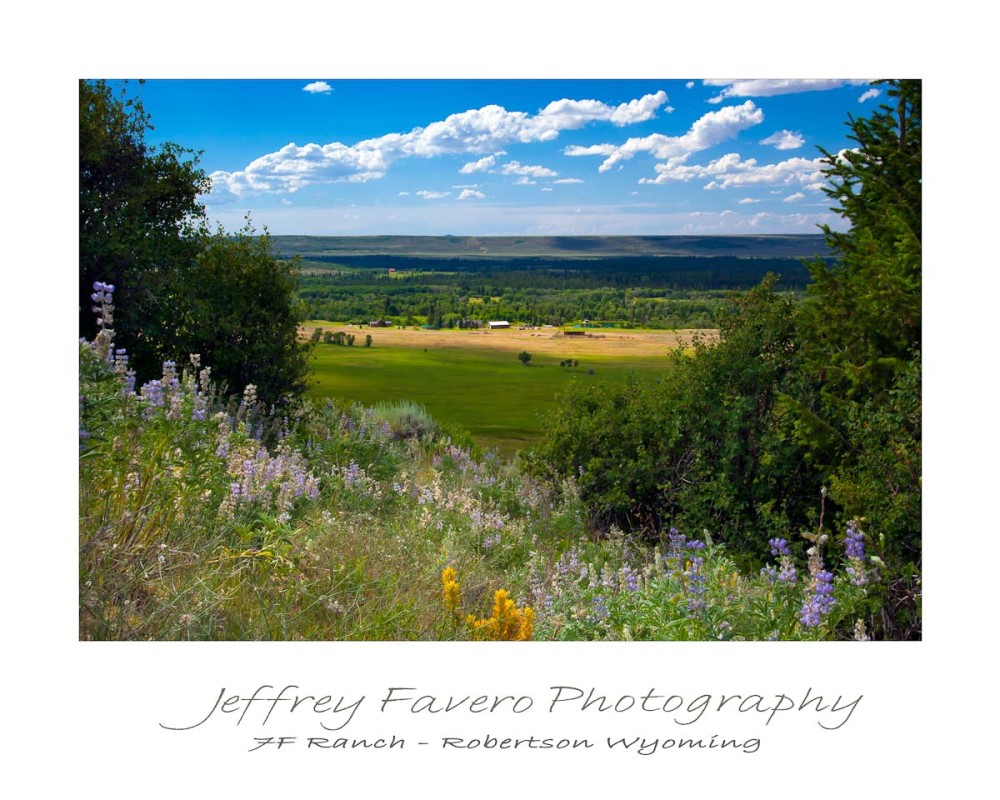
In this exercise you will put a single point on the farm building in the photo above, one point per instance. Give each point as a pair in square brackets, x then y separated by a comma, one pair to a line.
[379, 323]
[494, 324]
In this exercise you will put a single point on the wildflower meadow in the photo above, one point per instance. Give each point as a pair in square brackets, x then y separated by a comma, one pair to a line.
[216, 518]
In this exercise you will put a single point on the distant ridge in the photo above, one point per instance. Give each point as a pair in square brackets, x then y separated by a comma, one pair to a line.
[507, 247]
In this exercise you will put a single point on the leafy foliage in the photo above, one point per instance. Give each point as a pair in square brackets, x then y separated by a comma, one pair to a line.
[861, 321]
[703, 446]
[236, 307]
[617, 442]
[181, 290]
[798, 406]
[139, 216]
[862, 330]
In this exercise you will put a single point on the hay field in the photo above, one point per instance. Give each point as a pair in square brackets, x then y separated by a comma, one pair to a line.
[474, 379]
[552, 341]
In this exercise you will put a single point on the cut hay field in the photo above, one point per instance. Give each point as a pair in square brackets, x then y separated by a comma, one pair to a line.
[474, 379]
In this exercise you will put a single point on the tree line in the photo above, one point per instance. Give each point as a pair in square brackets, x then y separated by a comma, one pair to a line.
[447, 302]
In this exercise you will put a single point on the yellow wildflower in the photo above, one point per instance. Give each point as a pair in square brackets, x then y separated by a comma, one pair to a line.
[452, 591]
[508, 623]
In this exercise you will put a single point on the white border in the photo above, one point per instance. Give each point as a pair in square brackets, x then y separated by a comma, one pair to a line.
[84, 715]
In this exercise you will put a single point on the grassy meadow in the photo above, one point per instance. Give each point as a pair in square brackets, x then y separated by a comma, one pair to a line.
[204, 517]
[473, 379]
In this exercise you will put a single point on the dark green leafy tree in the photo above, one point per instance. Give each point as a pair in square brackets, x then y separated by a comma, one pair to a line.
[179, 289]
[703, 447]
[743, 476]
[524, 357]
[620, 443]
[140, 220]
[237, 309]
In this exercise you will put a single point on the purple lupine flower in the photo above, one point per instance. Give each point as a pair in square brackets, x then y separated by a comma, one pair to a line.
[608, 579]
[152, 394]
[855, 544]
[779, 547]
[569, 564]
[695, 586]
[820, 601]
[600, 611]
[200, 411]
[630, 578]
[539, 595]
[102, 344]
[354, 474]
[769, 573]
[675, 544]
[854, 549]
[788, 573]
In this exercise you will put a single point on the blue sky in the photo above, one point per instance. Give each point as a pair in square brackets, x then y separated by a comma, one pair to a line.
[517, 157]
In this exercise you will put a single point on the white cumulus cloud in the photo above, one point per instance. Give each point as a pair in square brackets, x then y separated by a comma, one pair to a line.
[482, 165]
[732, 170]
[569, 180]
[639, 110]
[432, 195]
[871, 94]
[793, 198]
[318, 87]
[476, 131]
[770, 88]
[591, 150]
[707, 131]
[533, 170]
[785, 140]
[471, 194]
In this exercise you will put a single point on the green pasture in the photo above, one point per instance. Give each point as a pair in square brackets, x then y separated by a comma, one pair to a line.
[501, 402]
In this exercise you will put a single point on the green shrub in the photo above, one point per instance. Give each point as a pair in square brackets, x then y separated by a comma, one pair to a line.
[406, 419]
